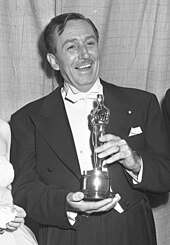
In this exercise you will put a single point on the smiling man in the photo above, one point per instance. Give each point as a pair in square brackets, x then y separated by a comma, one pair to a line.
[77, 55]
[51, 148]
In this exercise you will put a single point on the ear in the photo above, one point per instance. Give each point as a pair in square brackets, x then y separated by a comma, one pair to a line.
[52, 60]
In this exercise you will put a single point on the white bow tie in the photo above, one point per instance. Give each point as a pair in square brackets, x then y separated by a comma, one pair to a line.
[74, 97]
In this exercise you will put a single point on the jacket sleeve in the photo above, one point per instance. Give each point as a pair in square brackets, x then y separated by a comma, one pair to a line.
[43, 203]
[156, 157]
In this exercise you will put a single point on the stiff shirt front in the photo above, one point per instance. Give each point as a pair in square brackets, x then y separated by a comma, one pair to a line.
[78, 115]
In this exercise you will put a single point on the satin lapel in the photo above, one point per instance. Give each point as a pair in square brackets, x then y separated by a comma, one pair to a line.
[122, 109]
[52, 122]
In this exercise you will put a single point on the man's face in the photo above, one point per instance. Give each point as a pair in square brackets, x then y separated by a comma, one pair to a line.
[78, 54]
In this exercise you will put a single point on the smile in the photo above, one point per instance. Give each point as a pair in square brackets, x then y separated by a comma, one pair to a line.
[87, 66]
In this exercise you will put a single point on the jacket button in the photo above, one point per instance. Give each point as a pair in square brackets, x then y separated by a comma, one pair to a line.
[129, 112]
[49, 169]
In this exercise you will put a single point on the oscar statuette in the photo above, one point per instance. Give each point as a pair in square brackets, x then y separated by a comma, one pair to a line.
[95, 184]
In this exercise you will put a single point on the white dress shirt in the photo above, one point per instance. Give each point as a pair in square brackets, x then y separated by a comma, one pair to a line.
[78, 113]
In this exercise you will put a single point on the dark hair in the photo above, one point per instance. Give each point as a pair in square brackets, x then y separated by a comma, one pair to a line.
[58, 24]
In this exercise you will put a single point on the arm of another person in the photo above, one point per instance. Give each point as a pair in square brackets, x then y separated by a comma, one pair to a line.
[5, 141]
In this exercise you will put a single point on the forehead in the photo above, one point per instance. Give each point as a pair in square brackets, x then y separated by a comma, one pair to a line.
[76, 29]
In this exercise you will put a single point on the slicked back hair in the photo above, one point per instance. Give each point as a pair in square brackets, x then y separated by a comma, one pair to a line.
[57, 24]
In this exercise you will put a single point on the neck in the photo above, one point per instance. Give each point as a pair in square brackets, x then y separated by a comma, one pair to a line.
[83, 89]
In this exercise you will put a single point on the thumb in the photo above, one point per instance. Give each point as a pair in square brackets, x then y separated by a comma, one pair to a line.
[75, 197]
[20, 211]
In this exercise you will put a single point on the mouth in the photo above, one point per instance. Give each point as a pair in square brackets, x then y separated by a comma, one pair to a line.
[84, 67]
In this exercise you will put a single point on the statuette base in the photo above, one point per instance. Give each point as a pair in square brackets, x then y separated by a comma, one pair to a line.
[95, 184]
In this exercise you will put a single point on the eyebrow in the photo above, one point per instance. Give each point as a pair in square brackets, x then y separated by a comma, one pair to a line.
[75, 39]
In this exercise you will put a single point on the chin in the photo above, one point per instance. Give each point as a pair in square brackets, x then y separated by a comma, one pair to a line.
[85, 87]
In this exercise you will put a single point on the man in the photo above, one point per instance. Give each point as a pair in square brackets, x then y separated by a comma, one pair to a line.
[51, 149]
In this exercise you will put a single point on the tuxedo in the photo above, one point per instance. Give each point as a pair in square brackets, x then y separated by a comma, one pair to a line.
[46, 166]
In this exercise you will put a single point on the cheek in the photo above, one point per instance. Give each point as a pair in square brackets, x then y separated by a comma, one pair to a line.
[97, 57]
[69, 64]
[68, 71]
[65, 60]
[65, 65]
[95, 53]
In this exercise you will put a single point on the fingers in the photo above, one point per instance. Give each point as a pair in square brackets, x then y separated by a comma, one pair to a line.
[74, 201]
[105, 205]
[90, 206]
[109, 137]
[14, 225]
[107, 150]
[75, 197]
[116, 149]
[123, 152]
[18, 220]
[20, 212]
[112, 145]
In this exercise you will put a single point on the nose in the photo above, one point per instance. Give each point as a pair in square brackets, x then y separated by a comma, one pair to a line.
[83, 52]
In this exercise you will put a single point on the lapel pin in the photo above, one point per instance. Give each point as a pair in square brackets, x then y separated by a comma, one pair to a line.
[129, 112]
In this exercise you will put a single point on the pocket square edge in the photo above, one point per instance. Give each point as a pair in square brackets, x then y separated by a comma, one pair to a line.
[135, 131]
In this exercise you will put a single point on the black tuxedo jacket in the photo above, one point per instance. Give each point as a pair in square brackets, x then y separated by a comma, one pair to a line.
[47, 168]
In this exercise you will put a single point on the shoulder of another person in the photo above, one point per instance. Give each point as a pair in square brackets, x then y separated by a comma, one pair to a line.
[4, 130]
[167, 94]
[166, 101]
[4, 126]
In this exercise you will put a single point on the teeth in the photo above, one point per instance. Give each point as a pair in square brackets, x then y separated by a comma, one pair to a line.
[84, 66]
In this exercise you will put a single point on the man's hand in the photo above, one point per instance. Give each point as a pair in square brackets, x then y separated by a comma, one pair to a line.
[18, 220]
[116, 149]
[77, 204]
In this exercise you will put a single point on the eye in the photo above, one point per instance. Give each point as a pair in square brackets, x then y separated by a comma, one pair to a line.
[71, 47]
[91, 43]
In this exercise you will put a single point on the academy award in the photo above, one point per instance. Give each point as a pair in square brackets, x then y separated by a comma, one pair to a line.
[95, 184]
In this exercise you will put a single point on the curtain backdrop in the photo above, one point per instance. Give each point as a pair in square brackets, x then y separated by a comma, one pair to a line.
[134, 45]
